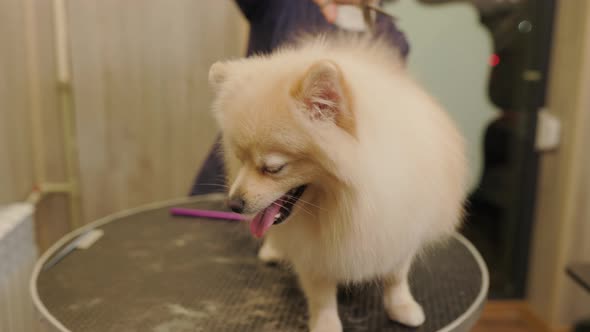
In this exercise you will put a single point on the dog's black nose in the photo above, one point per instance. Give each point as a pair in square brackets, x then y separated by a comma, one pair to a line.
[236, 204]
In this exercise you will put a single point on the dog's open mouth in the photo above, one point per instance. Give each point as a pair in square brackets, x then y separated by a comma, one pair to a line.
[277, 212]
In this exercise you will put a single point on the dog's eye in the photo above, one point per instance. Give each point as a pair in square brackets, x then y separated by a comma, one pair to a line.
[272, 169]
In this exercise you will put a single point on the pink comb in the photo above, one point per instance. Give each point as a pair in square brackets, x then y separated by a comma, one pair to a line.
[207, 214]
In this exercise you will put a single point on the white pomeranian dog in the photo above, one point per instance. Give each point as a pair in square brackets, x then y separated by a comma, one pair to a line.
[355, 167]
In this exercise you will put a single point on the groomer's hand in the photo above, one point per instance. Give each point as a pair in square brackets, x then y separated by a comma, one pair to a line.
[330, 10]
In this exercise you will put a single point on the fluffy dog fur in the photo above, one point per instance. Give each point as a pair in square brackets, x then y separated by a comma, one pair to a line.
[384, 165]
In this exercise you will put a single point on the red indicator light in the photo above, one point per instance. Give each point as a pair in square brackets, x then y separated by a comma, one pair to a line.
[494, 60]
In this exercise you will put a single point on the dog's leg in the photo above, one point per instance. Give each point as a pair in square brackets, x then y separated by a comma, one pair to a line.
[322, 303]
[268, 253]
[399, 302]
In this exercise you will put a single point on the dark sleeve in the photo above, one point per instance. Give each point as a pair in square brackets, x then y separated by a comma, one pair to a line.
[252, 8]
[387, 29]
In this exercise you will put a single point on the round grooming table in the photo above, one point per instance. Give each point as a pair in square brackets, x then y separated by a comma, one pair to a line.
[154, 272]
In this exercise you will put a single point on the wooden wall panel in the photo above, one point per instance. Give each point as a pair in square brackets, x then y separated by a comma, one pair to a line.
[28, 85]
[51, 217]
[16, 166]
[52, 214]
[575, 301]
[51, 133]
[561, 233]
[141, 95]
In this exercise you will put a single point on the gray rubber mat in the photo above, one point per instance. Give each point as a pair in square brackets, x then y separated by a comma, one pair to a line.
[154, 272]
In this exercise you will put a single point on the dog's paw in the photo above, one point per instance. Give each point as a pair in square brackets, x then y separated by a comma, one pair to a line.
[269, 254]
[409, 313]
[327, 323]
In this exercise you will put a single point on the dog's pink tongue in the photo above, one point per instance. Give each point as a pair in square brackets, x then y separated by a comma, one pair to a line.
[263, 220]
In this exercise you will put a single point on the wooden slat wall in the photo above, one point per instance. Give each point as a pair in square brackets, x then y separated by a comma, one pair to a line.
[141, 95]
[561, 226]
[141, 98]
[27, 84]
[52, 214]
[16, 167]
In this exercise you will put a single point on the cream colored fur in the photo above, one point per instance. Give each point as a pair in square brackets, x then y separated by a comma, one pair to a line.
[385, 166]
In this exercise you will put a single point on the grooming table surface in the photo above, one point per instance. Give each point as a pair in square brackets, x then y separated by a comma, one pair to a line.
[154, 272]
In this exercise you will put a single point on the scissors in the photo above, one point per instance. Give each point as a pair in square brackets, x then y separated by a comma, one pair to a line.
[368, 8]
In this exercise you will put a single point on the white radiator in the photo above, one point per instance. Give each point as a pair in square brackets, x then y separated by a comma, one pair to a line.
[18, 253]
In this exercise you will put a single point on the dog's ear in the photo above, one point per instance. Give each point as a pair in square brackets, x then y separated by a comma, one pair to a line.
[218, 74]
[323, 95]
